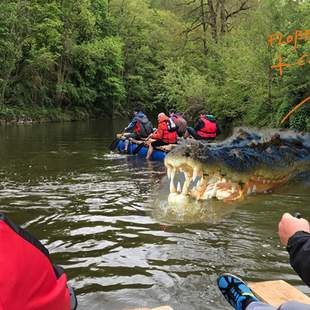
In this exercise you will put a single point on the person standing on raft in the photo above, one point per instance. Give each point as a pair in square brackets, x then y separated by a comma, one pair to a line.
[163, 135]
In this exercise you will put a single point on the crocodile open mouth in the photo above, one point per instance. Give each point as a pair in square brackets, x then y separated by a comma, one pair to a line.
[200, 182]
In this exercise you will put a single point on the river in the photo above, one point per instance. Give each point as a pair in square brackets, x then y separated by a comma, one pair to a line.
[95, 212]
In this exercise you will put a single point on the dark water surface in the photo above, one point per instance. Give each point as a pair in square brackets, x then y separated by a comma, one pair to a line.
[95, 213]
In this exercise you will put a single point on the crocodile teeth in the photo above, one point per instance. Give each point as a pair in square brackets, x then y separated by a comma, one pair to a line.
[254, 188]
[169, 172]
[172, 186]
[195, 174]
[179, 189]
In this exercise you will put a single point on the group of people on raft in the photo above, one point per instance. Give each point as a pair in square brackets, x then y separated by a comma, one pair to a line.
[169, 129]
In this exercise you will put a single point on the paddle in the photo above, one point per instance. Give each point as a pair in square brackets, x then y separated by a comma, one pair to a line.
[140, 146]
[114, 143]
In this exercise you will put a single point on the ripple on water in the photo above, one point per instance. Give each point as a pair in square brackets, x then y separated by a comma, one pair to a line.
[96, 215]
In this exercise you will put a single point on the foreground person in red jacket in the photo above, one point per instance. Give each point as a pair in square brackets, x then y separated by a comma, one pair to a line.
[162, 135]
[295, 235]
[28, 279]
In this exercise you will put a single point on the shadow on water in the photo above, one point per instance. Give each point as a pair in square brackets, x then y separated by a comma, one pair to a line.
[95, 212]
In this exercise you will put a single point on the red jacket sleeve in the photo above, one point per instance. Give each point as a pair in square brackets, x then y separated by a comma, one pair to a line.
[159, 133]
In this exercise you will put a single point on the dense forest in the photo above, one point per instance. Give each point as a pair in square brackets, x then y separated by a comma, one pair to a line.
[103, 57]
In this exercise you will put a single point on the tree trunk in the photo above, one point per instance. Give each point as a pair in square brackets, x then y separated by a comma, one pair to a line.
[213, 23]
[204, 27]
[223, 16]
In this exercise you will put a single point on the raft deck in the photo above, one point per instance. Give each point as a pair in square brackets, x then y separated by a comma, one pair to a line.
[159, 153]
[277, 292]
[164, 148]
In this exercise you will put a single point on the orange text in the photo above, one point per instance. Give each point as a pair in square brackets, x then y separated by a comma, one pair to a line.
[288, 38]
[301, 61]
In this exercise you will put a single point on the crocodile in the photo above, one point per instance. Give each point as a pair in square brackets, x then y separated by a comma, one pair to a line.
[250, 161]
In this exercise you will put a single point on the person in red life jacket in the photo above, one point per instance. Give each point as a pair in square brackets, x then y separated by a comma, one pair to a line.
[162, 135]
[29, 281]
[180, 122]
[140, 127]
[206, 128]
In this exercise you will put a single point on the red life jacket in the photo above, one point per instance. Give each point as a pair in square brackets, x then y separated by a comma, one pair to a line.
[137, 128]
[143, 128]
[163, 134]
[168, 136]
[28, 280]
[208, 130]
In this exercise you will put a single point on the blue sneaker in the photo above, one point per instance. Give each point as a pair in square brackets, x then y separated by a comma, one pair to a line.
[235, 291]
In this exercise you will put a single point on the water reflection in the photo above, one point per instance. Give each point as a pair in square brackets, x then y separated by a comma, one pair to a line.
[95, 212]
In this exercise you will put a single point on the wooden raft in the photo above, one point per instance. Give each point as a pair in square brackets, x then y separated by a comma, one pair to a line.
[277, 292]
[164, 148]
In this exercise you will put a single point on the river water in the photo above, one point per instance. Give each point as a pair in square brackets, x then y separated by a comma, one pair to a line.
[95, 212]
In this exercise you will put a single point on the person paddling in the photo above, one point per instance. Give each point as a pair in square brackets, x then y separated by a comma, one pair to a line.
[139, 127]
[162, 135]
[206, 128]
[294, 233]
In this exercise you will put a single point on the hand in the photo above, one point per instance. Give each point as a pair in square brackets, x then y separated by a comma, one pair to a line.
[289, 225]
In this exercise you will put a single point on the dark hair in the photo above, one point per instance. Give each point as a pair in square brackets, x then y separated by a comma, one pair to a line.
[172, 111]
[138, 107]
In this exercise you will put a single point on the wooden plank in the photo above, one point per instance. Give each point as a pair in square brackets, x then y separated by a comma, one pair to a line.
[277, 292]
[167, 148]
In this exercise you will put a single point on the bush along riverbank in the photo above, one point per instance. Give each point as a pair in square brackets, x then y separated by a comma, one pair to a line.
[42, 114]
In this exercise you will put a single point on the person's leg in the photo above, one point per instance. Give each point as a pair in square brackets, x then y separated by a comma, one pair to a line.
[240, 296]
[153, 145]
[150, 150]
[258, 305]
[235, 291]
[192, 132]
[126, 145]
[129, 135]
[292, 305]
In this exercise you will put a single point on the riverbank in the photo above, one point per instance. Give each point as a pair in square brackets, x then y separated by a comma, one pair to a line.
[43, 114]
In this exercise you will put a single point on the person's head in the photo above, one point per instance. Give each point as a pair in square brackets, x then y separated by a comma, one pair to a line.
[162, 117]
[138, 108]
[210, 116]
[172, 111]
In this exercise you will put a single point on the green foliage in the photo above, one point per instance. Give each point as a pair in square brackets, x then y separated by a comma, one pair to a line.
[109, 55]
[59, 53]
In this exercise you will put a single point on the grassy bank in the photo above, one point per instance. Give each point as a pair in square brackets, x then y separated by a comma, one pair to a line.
[29, 114]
